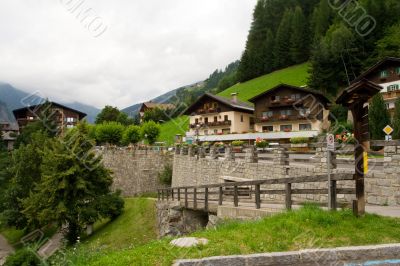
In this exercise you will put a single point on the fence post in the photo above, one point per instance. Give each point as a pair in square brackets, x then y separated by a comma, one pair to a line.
[158, 194]
[172, 194]
[229, 154]
[333, 198]
[251, 155]
[162, 194]
[221, 196]
[195, 198]
[179, 194]
[191, 151]
[186, 198]
[177, 150]
[236, 196]
[213, 153]
[258, 197]
[206, 199]
[288, 196]
[167, 190]
[202, 152]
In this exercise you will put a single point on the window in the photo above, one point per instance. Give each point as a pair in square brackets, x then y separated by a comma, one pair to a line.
[268, 128]
[70, 126]
[295, 96]
[387, 106]
[275, 98]
[215, 131]
[267, 114]
[70, 119]
[384, 74]
[30, 117]
[398, 70]
[286, 112]
[215, 118]
[206, 120]
[196, 121]
[241, 118]
[394, 87]
[286, 128]
[226, 118]
[304, 111]
[226, 131]
[305, 127]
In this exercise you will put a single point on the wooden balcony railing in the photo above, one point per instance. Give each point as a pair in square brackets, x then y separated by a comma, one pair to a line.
[276, 118]
[213, 124]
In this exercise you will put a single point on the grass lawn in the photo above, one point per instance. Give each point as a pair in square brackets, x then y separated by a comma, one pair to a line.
[309, 227]
[295, 75]
[12, 235]
[136, 226]
[170, 129]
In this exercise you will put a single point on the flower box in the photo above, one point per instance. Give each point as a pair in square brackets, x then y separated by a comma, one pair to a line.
[299, 145]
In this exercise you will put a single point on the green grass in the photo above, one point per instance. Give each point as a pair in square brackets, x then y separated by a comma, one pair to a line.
[171, 128]
[309, 227]
[295, 75]
[12, 235]
[136, 226]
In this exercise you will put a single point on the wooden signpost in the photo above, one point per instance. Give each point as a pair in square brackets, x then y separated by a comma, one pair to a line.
[356, 98]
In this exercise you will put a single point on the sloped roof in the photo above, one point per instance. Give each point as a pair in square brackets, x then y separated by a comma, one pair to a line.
[363, 89]
[238, 105]
[375, 67]
[152, 105]
[319, 95]
[81, 114]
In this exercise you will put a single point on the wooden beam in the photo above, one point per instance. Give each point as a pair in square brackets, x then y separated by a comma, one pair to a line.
[258, 197]
[288, 200]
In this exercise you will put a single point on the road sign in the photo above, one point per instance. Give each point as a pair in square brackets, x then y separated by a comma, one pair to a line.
[330, 140]
[388, 130]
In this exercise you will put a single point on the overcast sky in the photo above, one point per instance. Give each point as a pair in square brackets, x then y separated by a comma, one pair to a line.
[123, 52]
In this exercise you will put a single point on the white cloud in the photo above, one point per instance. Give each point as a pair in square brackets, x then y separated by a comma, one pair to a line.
[149, 47]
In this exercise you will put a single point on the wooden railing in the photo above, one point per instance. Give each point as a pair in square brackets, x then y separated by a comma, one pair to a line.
[249, 188]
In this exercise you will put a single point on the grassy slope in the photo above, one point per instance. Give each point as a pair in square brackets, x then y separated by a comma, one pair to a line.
[171, 128]
[295, 75]
[308, 228]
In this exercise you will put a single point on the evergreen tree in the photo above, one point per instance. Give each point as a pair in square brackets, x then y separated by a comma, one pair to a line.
[5, 175]
[269, 52]
[396, 120]
[282, 41]
[299, 50]
[321, 20]
[378, 117]
[73, 181]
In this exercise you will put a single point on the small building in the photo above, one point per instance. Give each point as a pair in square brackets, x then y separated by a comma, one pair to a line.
[216, 115]
[152, 105]
[9, 132]
[64, 116]
[287, 108]
[385, 73]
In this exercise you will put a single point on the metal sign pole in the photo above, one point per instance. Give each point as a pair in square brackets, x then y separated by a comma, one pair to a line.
[329, 180]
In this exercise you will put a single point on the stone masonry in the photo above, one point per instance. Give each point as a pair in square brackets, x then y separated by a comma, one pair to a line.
[136, 171]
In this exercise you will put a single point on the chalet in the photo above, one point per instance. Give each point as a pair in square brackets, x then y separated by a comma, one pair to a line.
[216, 115]
[152, 105]
[290, 109]
[64, 116]
[385, 73]
[9, 133]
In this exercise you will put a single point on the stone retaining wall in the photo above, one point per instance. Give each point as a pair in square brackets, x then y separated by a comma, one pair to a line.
[136, 171]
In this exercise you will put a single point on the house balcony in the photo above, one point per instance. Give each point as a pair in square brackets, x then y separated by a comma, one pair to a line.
[207, 111]
[212, 124]
[285, 102]
[278, 118]
[391, 95]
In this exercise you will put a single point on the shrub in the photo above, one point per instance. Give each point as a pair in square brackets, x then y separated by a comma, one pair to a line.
[23, 257]
[206, 144]
[219, 144]
[342, 127]
[109, 132]
[237, 143]
[299, 140]
[150, 131]
[111, 205]
[165, 176]
[131, 135]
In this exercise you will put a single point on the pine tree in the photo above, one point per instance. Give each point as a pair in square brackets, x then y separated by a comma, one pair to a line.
[73, 181]
[282, 41]
[269, 52]
[321, 20]
[299, 50]
[378, 117]
[396, 120]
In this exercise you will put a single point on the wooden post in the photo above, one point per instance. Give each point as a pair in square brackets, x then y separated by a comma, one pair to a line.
[221, 196]
[236, 196]
[179, 194]
[172, 194]
[195, 198]
[158, 194]
[288, 200]
[162, 194]
[258, 197]
[206, 199]
[167, 194]
[186, 198]
[333, 194]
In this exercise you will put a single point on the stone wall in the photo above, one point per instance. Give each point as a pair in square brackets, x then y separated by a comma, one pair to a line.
[136, 171]
[382, 188]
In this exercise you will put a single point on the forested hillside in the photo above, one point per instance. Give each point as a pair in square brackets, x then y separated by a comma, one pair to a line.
[289, 32]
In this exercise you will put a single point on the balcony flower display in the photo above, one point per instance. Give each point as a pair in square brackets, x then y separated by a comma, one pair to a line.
[287, 130]
[261, 143]
[299, 144]
[283, 117]
[264, 119]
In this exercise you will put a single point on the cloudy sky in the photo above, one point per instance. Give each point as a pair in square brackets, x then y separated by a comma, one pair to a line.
[117, 52]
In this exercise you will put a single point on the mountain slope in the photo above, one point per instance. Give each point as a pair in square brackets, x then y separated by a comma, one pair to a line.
[13, 98]
[295, 75]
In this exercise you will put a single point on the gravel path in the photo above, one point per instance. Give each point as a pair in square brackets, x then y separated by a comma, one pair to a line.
[5, 249]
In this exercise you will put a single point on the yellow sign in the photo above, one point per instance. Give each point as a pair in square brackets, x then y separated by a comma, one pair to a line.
[388, 130]
[365, 155]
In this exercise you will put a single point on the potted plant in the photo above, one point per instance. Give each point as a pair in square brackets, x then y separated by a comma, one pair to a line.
[261, 143]
[299, 143]
[237, 145]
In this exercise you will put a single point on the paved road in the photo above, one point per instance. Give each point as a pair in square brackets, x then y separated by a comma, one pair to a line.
[5, 249]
